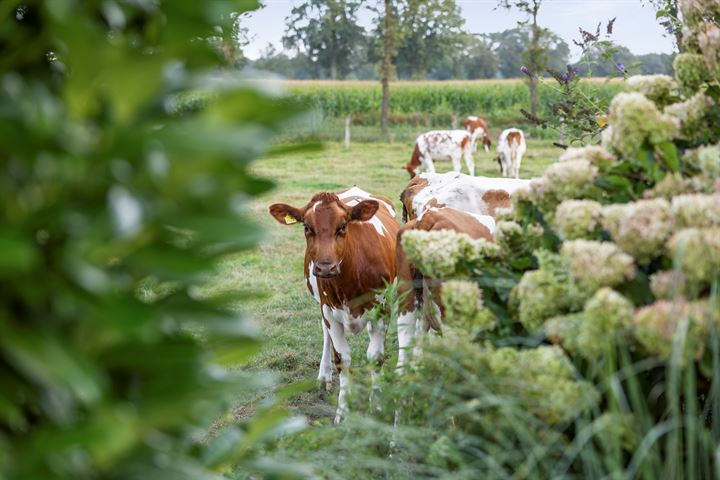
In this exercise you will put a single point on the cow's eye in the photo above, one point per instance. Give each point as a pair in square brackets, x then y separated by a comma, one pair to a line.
[342, 229]
[308, 230]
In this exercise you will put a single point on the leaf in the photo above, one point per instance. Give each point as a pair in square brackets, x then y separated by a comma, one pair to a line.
[17, 254]
[669, 154]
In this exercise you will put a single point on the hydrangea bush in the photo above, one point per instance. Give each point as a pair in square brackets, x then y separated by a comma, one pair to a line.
[613, 257]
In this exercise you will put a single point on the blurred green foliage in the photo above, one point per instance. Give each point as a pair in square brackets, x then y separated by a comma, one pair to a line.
[114, 209]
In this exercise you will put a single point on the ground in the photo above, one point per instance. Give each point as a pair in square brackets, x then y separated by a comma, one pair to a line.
[288, 316]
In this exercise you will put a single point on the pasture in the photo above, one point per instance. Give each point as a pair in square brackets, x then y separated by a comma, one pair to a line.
[288, 315]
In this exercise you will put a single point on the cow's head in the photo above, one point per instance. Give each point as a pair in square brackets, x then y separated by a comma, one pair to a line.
[472, 124]
[487, 143]
[325, 219]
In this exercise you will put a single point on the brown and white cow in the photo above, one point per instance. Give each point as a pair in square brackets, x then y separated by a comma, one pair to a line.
[420, 292]
[511, 148]
[350, 252]
[477, 124]
[448, 145]
[478, 195]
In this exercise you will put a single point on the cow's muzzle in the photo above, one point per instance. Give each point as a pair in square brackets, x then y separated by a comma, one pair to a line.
[326, 269]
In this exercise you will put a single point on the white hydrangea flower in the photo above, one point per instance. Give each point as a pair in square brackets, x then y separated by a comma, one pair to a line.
[594, 154]
[640, 228]
[668, 284]
[636, 121]
[597, 264]
[690, 114]
[661, 89]
[463, 306]
[708, 160]
[604, 316]
[697, 252]
[577, 219]
[696, 210]
[439, 254]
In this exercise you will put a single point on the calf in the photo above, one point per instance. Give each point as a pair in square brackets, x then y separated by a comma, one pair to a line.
[419, 290]
[350, 252]
[478, 195]
[511, 148]
[448, 145]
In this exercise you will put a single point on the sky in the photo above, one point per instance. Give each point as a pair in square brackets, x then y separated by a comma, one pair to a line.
[635, 26]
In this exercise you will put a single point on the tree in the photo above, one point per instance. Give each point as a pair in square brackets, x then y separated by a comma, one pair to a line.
[510, 47]
[327, 31]
[430, 30]
[535, 53]
[386, 68]
[478, 59]
[296, 67]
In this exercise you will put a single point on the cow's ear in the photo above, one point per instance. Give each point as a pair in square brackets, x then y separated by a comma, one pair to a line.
[364, 210]
[285, 214]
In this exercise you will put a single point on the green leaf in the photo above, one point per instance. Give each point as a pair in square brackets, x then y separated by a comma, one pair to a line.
[17, 254]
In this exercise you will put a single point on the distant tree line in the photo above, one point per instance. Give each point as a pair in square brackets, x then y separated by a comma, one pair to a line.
[324, 41]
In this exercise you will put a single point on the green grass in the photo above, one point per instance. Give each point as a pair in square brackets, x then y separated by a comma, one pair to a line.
[288, 315]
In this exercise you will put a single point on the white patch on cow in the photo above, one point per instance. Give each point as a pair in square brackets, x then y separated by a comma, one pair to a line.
[486, 220]
[472, 118]
[313, 282]
[326, 373]
[377, 223]
[342, 347]
[462, 192]
[315, 205]
[359, 192]
[376, 346]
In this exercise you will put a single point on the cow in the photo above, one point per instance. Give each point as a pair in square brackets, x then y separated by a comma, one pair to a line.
[476, 124]
[478, 195]
[415, 289]
[448, 145]
[511, 148]
[350, 253]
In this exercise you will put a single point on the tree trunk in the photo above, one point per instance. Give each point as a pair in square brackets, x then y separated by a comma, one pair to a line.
[386, 68]
[333, 69]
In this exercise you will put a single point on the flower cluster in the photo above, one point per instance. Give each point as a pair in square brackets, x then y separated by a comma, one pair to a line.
[442, 254]
[706, 159]
[594, 154]
[563, 180]
[675, 184]
[691, 115]
[696, 251]
[635, 120]
[669, 284]
[543, 380]
[657, 327]
[661, 89]
[696, 210]
[690, 71]
[605, 315]
[577, 219]
[640, 228]
[595, 264]
[463, 305]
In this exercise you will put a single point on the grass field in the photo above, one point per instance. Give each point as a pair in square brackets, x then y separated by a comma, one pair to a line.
[287, 314]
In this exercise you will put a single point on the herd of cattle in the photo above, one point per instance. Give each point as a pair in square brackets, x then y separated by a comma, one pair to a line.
[354, 242]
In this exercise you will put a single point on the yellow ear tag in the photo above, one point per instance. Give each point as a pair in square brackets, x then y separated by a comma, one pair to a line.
[289, 219]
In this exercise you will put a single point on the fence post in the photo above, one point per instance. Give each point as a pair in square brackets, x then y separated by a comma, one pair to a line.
[453, 121]
[347, 131]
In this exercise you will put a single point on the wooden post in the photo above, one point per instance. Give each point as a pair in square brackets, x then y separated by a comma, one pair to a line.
[453, 121]
[347, 131]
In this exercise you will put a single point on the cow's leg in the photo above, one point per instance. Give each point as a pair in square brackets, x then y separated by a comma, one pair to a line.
[376, 352]
[428, 162]
[469, 163]
[326, 373]
[456, 162]
[406, 326]
[342, 362]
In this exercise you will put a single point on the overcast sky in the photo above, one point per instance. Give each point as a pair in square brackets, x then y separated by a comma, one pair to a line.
[635, 27]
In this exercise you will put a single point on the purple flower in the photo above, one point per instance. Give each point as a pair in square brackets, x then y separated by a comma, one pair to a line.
[574, 69]
[621, 67]
[565, 77]
[526, 71]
